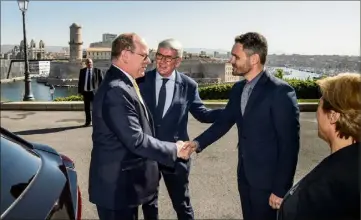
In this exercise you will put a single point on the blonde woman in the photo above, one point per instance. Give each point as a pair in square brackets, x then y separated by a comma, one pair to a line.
[332, 189]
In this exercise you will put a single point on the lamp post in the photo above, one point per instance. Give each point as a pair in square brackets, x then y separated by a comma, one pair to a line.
[28, 96]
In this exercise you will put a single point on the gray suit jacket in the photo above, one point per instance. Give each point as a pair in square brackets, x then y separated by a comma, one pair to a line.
[123, 167]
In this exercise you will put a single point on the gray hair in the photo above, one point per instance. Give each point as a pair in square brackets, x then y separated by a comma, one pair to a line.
[172, 44]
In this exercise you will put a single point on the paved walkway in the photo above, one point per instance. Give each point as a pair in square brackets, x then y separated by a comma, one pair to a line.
[213, 177]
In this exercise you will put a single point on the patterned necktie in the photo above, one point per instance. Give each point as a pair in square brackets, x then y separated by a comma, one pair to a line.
[245, 95]
[137, 90]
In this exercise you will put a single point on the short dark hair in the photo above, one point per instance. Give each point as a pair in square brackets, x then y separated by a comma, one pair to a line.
[254, 43]
[122, 42]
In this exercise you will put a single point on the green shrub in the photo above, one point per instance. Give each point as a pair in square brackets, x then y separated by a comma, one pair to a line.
[69, 98]
[215, 92]
[305, 89]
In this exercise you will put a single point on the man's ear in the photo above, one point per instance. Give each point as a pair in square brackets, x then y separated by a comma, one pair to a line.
[178, 62]
[254, 58]
[334, 116]
[124, 56]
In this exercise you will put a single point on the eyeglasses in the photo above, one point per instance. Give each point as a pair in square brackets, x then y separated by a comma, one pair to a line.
[145, 56]
[168, 59]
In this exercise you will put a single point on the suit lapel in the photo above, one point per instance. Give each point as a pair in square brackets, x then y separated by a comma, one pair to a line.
[257, 91]
[134, 93]
[239, 98]
[152, 91]
[178, 91]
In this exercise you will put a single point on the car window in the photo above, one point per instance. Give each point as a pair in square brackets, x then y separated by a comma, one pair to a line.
[19, 166]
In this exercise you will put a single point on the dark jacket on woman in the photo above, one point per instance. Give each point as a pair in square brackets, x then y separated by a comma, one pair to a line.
[331, 191]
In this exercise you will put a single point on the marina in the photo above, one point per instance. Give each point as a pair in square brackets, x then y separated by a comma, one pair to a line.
[14, 91]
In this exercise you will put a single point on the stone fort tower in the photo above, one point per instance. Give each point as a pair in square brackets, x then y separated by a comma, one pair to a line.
[75, 43]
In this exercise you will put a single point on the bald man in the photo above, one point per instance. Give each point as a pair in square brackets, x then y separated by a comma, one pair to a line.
[89, 81]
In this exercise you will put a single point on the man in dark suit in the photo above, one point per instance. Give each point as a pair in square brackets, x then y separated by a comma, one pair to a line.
[124, 160]
[170, 95]
[89, 81]
[266, 112]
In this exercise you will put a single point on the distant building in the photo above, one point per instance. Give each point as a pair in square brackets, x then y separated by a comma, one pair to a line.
[109, 37]
[98, 53]
[206, 70]
[37, 53]
[34, 52]
[75, 43]
[106, 42]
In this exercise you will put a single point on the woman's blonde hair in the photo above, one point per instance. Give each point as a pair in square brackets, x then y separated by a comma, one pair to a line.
[341, 93]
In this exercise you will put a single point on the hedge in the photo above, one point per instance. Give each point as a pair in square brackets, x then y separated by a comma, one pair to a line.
[305, 89]
[69, 98]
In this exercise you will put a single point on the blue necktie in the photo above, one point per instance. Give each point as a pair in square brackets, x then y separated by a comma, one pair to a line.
[88, 82]
[161, 100]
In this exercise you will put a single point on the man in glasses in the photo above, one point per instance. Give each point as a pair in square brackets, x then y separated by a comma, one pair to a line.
[170, 95]
[123, 167]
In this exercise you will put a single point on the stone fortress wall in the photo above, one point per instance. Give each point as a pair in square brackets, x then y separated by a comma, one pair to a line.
[17, 69]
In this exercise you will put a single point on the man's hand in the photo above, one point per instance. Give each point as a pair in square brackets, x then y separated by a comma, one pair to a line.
[274, 201]
[185, 149]
[191, 145]
[182, 150]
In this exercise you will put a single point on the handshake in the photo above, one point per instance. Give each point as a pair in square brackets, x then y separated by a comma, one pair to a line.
[185, 149]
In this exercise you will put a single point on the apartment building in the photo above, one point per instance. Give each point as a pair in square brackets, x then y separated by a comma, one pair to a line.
[98, 53]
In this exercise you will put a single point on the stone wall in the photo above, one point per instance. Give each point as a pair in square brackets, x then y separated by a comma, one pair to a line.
[64, 70]
[17, 69]
[103, 65]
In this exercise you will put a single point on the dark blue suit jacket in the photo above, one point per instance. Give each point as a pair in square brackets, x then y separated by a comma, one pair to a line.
[186, 99]
[268, 133]
[123, 168]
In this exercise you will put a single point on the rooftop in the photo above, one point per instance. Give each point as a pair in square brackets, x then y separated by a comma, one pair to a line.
[98, 49]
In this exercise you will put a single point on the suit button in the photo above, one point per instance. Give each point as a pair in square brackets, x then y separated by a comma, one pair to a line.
[158, 126]
[244, 137]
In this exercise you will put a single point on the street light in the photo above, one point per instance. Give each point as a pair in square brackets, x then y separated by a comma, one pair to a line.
[28, 96]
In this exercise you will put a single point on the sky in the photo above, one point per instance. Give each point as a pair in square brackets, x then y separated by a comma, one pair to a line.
[331, 28]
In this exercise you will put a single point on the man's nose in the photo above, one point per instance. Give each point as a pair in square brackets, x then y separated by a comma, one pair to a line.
[148, 61]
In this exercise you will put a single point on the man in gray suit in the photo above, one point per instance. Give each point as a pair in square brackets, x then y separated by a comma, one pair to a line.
[170, 96]
[124, 160]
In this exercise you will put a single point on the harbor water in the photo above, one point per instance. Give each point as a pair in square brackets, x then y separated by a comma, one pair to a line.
[14, 91]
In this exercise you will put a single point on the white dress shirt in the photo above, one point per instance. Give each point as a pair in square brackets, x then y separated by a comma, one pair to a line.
[169, 88]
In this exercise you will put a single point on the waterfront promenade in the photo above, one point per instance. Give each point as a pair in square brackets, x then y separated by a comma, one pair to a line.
[213, 185]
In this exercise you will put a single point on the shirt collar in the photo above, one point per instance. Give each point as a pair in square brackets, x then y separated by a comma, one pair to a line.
[160, 77]
[254, 81]
[127, 74]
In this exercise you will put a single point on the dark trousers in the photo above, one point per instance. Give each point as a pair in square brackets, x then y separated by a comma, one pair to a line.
[255, 202]
[88, 99]
[177, 186]
[122, 214]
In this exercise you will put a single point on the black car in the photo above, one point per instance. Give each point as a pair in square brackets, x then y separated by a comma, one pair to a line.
[36, 181]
